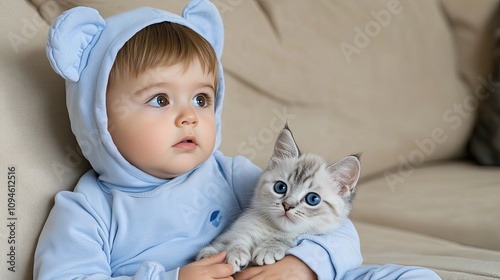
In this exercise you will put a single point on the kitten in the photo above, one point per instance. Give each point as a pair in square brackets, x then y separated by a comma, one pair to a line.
[297, 194]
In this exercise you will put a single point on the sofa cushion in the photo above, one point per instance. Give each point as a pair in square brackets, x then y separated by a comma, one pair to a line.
[382, 245]
[473, 26]
[50, 9]
[457, 201]
[372, 78]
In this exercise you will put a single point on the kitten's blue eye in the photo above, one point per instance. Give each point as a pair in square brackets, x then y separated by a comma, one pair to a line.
[313, 199]
[280, 187]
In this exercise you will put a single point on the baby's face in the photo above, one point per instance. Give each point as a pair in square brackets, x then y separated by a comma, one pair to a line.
[163, 121]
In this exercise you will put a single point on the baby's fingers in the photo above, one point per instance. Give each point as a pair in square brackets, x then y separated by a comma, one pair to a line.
[221, 271]
[215, 259]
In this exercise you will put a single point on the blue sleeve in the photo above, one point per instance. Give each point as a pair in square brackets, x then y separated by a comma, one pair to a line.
[74, 243]
[245, 178]
[330, 256]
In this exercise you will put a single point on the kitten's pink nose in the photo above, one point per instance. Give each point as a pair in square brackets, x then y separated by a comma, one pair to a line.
[287, 206]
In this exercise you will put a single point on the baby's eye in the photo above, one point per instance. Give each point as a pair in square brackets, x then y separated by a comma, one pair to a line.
[159, 100]
[201, 100]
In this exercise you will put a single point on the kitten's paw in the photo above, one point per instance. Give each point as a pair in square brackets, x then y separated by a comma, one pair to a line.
[239, 258]
[268, 255]
[207, 252]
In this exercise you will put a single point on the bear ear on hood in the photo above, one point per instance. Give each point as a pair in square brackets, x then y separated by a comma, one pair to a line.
[206, 18]
[71, 38]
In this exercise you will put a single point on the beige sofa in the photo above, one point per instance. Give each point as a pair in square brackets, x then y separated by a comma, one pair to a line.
[398, 81]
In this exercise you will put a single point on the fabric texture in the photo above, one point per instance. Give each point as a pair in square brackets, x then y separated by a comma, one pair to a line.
[451, 260]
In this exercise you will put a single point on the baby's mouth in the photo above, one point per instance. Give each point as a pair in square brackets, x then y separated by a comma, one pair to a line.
[187, 143]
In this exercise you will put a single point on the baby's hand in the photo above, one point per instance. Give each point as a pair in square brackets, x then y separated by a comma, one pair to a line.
[206, 252]
[237, 256]
[207, 269]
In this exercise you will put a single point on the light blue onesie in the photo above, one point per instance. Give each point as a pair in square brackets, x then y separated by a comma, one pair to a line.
[121, 223]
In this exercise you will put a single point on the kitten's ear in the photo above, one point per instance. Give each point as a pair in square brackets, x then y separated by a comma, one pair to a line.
[284, 147]
[346, 172]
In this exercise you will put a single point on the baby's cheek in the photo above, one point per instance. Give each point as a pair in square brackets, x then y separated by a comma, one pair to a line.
[138, 144]
[150, 143]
